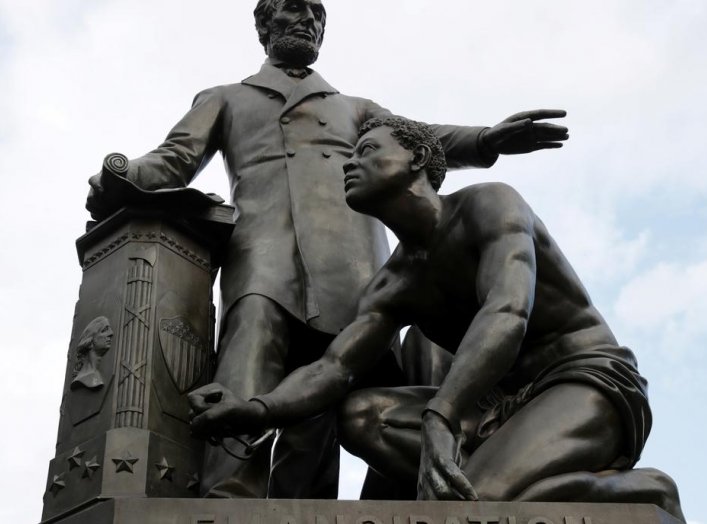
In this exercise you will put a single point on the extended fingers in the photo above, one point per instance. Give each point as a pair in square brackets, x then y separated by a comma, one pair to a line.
[459, 482]
[545, 132]
[446, 482]
[537, 114]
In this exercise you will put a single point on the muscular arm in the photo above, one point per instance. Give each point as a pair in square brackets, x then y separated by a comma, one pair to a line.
[505, 286]
[313, 388]
[501, 225]
[307, 391]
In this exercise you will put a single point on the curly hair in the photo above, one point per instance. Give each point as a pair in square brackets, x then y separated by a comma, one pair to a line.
[263, 14]
[411, 134]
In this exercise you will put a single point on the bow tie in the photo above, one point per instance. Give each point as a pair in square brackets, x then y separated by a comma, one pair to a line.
[295, 72]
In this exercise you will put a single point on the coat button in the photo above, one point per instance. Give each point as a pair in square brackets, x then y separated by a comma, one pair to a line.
[291, 152]
[271, 95]
[285, 120]
[326, 154]
[322, 122]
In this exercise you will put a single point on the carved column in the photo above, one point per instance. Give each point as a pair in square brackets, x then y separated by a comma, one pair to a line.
[143, 336]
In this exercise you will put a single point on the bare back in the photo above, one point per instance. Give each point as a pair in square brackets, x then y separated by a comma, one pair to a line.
[437, 288]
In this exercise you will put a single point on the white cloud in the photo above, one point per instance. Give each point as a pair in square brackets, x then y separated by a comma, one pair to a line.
[667, 304]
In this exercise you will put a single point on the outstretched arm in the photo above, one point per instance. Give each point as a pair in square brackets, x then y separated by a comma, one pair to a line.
[307, 391]
[505, 286]
[517, 134]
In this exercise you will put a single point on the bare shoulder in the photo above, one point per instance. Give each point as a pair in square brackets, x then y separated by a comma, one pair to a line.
[493, 209]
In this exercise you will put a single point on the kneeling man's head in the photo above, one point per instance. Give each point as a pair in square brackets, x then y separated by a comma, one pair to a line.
[392, 156]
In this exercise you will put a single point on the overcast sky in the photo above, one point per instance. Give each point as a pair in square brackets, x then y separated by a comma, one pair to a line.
[625, 198]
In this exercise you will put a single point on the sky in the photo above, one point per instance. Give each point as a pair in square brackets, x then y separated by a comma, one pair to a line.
[625, 198]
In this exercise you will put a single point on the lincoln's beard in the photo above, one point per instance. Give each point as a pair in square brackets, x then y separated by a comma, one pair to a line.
[295, 51]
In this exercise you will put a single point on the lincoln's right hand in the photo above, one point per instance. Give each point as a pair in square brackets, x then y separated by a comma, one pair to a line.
[95, 202]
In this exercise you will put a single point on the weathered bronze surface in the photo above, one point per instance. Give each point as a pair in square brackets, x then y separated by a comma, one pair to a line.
[299, 256]
[538, 393]
[210, 511]
[531, 390]
[142, 337]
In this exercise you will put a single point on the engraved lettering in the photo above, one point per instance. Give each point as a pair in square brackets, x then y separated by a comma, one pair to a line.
[540, 520]
[420, 519]
[368, 519]
[451, 520]
[573, 520]
[478, 519]
[512, 520]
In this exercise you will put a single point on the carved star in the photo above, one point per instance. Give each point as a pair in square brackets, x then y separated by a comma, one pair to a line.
[194, 483]
[165, 469]
[75, 458]
[125, 463]
[90, 467]
[57, 484]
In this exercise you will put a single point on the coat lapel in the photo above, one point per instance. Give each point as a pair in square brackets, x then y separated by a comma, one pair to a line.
[270, 77]
[314, 84]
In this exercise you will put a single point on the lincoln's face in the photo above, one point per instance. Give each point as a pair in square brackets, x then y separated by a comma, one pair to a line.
[378, 170]
[297, 31]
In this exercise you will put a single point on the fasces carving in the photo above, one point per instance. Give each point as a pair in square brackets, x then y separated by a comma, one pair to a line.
[185, 352]
[94, 343]
[134, 340]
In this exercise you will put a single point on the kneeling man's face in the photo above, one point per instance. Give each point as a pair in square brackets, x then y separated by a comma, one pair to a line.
[378, 170]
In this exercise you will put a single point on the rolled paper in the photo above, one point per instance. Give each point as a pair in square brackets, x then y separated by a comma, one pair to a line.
[116, 163]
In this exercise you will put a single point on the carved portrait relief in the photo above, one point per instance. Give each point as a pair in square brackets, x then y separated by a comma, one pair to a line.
[94, 343]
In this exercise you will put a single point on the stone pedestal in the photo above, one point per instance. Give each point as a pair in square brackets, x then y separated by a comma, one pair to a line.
[211, 511]
[124, 428]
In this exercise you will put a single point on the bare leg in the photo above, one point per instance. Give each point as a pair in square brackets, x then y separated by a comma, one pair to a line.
[570, 427]
[382, 426]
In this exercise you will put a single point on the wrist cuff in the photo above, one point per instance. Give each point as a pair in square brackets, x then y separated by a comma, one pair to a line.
[487, 156]
[261, 400]
[445, 410]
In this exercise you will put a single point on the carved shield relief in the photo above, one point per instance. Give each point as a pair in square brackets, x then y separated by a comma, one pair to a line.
[185, 352]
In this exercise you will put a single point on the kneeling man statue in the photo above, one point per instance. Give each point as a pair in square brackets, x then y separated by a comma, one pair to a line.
[540, 403]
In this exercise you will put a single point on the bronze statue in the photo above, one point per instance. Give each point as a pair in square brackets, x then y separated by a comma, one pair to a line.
[94, 343]
[538, 390]
[299, 257]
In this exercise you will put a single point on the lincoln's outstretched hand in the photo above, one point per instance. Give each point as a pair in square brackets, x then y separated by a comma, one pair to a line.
[218, 413]
[522, 133]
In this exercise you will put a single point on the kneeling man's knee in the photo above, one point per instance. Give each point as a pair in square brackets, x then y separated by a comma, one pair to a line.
[359, 418]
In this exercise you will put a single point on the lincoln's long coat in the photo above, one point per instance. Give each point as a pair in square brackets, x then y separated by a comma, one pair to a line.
[284, 144]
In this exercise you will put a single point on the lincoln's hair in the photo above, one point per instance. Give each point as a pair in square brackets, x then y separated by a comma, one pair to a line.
[263, 15]
[411, 134]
